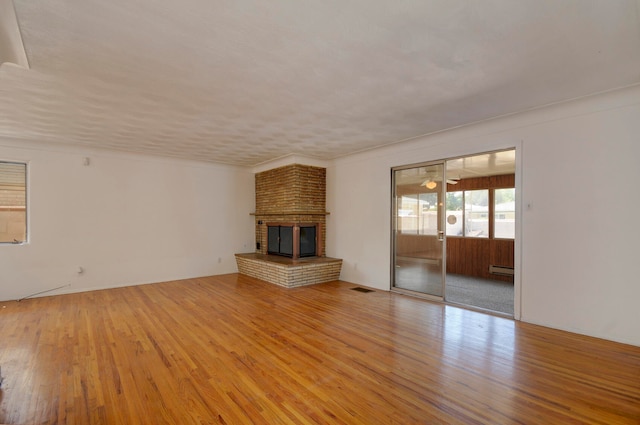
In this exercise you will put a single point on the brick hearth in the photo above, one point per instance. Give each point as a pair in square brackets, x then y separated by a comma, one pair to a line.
[287, 272]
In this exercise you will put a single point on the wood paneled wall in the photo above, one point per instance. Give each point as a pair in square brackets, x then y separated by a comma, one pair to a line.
[492, 182]
[473, 256]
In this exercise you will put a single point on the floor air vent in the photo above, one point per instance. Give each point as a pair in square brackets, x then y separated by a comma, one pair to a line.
[359, 289]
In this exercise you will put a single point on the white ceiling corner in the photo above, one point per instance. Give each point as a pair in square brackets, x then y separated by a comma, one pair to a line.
[11, 47]
[248, 82]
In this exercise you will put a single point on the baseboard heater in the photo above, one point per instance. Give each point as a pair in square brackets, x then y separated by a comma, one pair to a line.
[501, 270]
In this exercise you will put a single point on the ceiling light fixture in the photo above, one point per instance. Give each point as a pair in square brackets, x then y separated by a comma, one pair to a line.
[430, 184]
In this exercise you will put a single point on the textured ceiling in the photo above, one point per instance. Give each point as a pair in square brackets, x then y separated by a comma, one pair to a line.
[247, 81]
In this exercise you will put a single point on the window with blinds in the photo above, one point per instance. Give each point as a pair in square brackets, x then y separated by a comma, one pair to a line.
[13, 202]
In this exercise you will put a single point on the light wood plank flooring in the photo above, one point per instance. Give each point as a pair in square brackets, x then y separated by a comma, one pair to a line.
[234, 350]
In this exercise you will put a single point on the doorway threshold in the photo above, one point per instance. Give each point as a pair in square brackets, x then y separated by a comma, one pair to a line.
[417, 294]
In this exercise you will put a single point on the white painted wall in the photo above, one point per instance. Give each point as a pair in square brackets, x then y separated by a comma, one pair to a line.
[578, 268]
[126, 219]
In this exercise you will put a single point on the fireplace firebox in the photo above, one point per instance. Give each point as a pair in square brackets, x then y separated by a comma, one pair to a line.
[293, 240]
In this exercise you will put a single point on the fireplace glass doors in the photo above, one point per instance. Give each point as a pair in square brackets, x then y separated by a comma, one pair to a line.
[292, 239]
[280, 240]
[307, 241]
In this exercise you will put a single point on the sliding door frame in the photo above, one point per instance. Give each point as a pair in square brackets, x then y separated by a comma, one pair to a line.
[521, 205]
[440, 230]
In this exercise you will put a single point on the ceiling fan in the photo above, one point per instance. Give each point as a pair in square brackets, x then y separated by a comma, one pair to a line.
[431, 183]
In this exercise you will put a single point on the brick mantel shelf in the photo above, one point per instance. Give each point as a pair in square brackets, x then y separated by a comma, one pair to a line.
[291, 213]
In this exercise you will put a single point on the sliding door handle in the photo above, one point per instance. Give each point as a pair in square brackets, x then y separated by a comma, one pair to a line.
[441, 235]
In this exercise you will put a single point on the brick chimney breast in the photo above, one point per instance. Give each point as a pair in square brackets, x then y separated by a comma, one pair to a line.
[291, 194]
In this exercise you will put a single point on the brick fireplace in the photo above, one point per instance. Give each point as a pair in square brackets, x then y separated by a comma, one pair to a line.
[290, 197]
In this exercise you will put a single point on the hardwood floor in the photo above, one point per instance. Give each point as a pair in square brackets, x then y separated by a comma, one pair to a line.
[234, 350]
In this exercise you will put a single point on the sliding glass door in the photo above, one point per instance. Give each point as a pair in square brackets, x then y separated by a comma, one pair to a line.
[418, 229]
